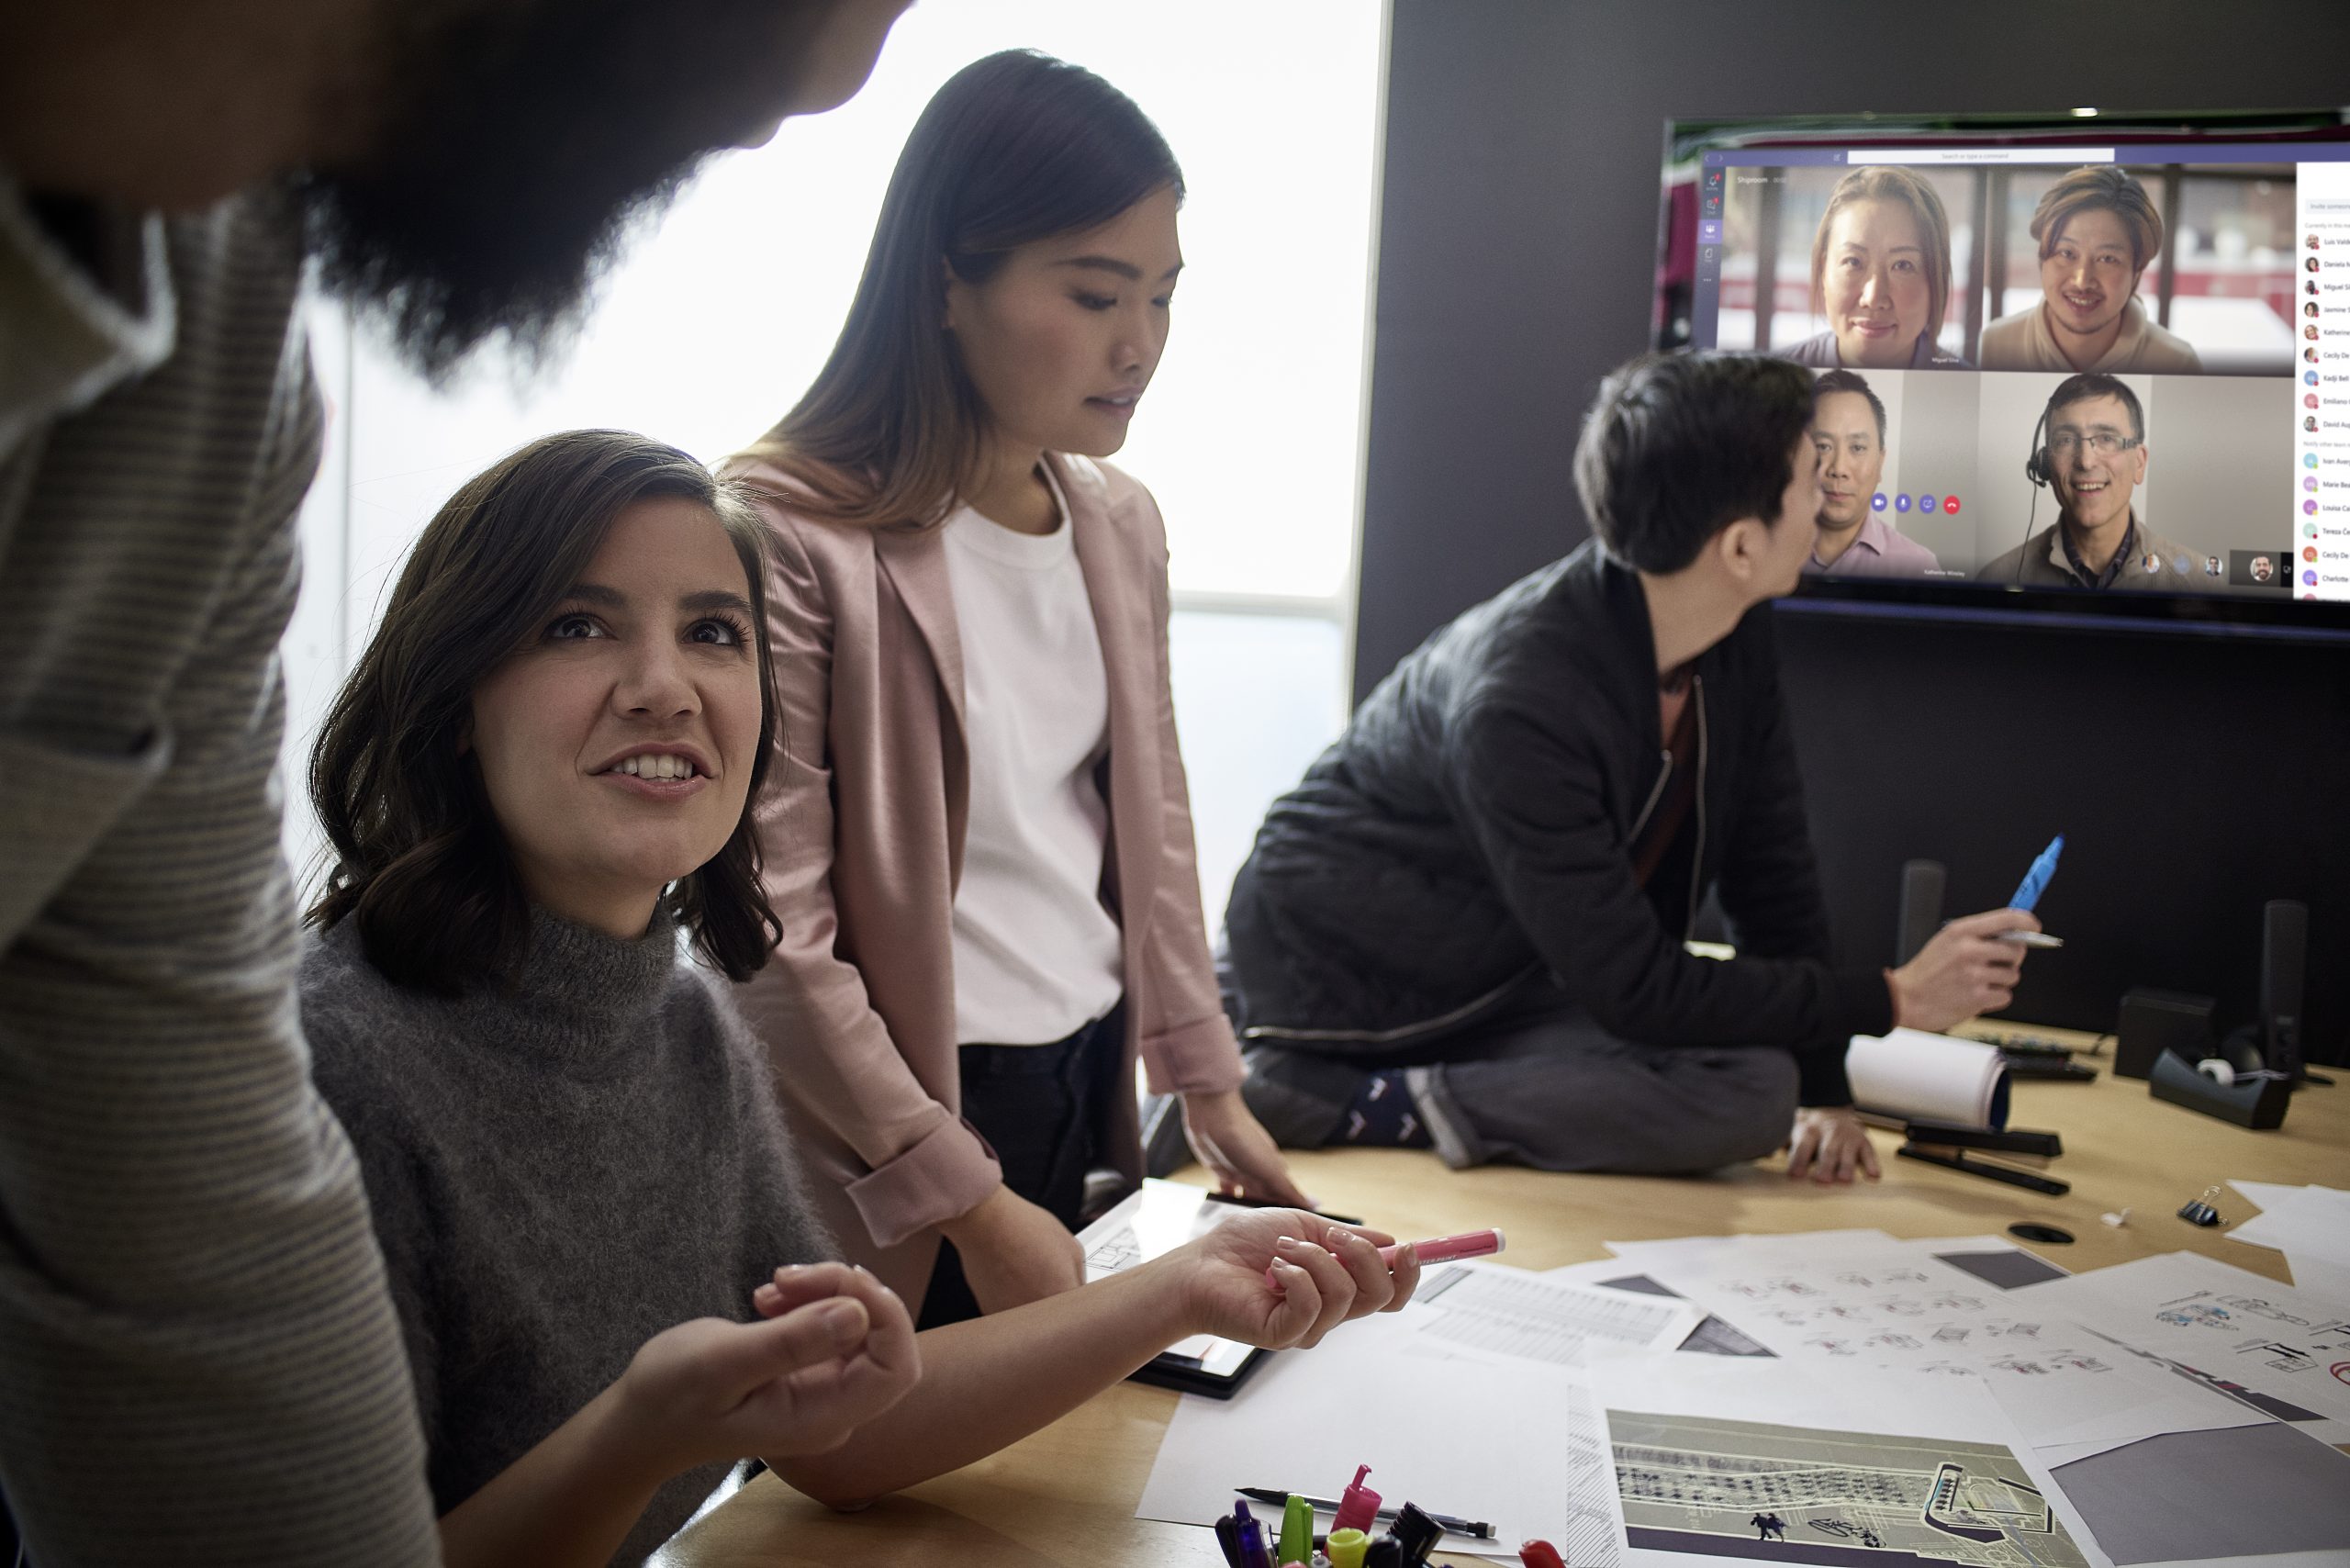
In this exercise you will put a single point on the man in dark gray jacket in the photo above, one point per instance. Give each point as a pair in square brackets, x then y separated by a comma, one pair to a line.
[1467, 926]
[197, 1361]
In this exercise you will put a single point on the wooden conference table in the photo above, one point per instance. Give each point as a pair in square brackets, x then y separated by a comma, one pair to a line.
[1067, 1495]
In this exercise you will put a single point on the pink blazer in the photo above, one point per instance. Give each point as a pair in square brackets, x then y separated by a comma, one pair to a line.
[862, 825]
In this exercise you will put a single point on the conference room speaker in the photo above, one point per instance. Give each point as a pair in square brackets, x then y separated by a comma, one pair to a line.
[2153, 1022]
[2284, 949]
[1922, 908]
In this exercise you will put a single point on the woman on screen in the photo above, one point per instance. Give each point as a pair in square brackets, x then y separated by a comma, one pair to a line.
[2098, 229]
[980, 836]
[1880, 273]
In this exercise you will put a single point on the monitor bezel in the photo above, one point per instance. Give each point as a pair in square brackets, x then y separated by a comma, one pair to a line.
[1687, 139]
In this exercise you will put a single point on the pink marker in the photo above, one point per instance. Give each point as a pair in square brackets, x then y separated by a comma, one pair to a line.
[1447, 1249]
[1439, 1249]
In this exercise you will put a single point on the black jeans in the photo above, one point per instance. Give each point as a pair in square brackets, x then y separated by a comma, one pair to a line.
[1537, 1081]
[1038, 1107]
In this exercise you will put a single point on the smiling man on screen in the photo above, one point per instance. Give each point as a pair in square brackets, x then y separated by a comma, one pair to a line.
[2095, 459]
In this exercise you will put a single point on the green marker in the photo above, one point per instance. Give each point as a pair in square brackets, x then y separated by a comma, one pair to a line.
[1297, 1530]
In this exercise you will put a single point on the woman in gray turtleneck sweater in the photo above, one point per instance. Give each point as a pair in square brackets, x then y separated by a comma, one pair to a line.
[536, 786]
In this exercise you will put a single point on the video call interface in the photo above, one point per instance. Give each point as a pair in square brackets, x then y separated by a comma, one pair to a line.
[2097, 368]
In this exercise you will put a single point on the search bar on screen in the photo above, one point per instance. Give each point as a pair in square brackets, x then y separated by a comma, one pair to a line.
[2065, 155]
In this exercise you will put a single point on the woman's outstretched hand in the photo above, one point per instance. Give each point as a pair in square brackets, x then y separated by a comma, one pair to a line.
[1284, 1277]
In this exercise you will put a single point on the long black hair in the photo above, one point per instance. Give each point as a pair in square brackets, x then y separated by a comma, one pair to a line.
[1015, 148]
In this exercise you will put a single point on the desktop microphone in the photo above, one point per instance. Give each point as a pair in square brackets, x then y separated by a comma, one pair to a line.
[2284, 949]
[1922, 908]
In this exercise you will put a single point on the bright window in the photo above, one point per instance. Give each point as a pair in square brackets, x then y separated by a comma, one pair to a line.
[713, 323]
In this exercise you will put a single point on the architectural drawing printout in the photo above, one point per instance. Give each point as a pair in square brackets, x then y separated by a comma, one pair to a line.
[1732, 1462]
[2284, 1350]
[1932, 1307]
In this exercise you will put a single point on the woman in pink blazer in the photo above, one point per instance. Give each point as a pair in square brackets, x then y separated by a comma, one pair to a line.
[976, 832]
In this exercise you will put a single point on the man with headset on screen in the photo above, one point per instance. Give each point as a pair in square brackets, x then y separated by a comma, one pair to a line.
[2094, 457]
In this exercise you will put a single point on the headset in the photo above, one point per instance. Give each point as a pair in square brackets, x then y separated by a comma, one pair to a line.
[2041, 469]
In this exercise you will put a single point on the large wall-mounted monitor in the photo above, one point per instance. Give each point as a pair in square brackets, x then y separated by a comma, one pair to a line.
[2083, 366]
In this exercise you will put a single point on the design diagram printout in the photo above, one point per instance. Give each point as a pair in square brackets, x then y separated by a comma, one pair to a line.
[1509, 1312]
[2282, 1350]
[1737, 1461]
[1940, 1308]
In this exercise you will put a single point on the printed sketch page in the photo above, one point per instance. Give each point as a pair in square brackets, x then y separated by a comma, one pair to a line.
[1905, 1306]
[1510, 1312]
[2284, 1350]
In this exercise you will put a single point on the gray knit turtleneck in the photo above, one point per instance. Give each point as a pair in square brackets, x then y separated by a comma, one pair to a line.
[559, 1171]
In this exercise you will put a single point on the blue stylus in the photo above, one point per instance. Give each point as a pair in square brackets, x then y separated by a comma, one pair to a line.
[2035, 881]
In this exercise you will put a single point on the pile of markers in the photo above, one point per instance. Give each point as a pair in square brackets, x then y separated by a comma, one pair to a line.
[1412, 1533]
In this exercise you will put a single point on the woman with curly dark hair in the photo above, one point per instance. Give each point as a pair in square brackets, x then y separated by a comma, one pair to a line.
[537, 785]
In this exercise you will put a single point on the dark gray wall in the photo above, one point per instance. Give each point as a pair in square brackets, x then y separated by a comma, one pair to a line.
[2194, 778]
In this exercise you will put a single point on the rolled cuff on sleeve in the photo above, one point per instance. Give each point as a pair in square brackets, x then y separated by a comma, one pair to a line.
[1197, 1058]
[948, 1173]
[1859, 1003]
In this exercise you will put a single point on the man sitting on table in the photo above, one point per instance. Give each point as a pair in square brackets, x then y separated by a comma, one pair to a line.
[1466, 926]
[1848, 430]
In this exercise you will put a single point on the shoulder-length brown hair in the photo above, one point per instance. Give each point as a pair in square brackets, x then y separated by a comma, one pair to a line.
[1015, 148]
[419, 860]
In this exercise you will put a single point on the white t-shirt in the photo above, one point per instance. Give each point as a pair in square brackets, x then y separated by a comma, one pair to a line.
[1037, 957]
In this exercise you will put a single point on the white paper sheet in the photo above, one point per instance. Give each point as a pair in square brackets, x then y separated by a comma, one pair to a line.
[2330, 1283]
[2229, 1327]
[1852, 1462]
[1911, 1074]
[1510, 1312]
[1897, 1306]
[1692, 1247]
[2265, 1195]
[2301, 1222]
[1511, 1442]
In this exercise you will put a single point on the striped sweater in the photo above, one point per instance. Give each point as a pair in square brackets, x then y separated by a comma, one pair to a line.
[198, 1361]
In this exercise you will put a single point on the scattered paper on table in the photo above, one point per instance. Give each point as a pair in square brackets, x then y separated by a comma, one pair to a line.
[1511, 1312]
[1490, 1440]
[2272, 1347]
[1942, 1306]
[2310, 1225]
[2244, 1494]
[1711, 1460]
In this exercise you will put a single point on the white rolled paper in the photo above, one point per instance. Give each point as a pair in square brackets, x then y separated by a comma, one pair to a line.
[1912, 1074]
